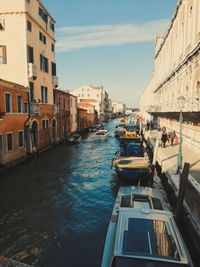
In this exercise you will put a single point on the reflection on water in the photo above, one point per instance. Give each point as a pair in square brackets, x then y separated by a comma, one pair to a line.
[55, 212]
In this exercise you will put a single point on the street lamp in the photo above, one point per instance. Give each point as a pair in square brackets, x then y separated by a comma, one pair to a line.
[181, 103]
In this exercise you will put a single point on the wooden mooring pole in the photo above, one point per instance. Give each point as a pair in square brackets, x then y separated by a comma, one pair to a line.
[182, 190]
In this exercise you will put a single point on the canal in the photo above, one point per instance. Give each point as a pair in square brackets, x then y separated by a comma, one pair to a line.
[55, 211]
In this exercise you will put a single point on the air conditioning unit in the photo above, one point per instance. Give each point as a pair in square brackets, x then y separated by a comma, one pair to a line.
[32, 71]
[55, 81]
[2, 24]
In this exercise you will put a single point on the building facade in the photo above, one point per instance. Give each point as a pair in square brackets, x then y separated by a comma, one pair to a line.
[73, 113]
[99, 97]
[119, 107]
[29, 60]
[177, 72]
[91, 112]
[62, 111]
[82, 119]
[13, 116]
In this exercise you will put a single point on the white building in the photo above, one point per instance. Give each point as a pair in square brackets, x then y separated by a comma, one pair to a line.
[177, 73]
[95, 95]
[119, 107]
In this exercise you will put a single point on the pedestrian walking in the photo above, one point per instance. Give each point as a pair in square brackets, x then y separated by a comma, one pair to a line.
[172, 137]
[164, 138]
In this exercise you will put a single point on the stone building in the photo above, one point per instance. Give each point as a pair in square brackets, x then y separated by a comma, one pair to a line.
[27, 57]
[13, 116]
[177, 73]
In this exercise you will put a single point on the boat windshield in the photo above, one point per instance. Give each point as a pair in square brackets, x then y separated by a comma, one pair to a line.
[130, 262]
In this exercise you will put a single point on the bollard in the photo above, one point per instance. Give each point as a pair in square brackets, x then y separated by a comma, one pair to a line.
[182, 189]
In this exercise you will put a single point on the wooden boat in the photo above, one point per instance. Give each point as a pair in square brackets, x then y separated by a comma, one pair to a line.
[131, 162]
[74, 139]
[142, 232]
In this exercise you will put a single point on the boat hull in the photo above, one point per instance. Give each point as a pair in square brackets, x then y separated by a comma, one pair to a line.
[132, 175]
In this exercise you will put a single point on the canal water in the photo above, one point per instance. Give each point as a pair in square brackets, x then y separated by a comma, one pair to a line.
[56, 211]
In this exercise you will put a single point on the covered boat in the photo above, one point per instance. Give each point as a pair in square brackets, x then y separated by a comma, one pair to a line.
[142, 232]
[74, 139]
[120, 131]
[131, 162]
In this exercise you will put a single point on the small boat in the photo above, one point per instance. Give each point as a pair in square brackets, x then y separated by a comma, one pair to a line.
[102, 134]
[131, 162]
[143, 233]
[119, 132]
[74, 139]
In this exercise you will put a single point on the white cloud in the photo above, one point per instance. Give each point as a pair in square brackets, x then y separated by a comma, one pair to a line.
[70, 38]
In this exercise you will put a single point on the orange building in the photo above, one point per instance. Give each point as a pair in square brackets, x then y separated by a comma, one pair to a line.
[14, 109]
[63, 118]
[82, 119]
[92, 116]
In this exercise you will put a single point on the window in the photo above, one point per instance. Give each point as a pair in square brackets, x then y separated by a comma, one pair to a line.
[19, 104]
[31, 92]
[25, 107]
[53, 69]
[29, 26]
[45, 124]
[9, 141]
[21, 139]
[2, 24]
[30, 53]
[43, 15]
[44, 63]
[7, 102]
[3, 58]
[44, 94]
[52, 47]
[52, 26]
[42, 38]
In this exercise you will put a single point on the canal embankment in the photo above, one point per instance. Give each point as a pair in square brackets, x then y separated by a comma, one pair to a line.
[166, 166]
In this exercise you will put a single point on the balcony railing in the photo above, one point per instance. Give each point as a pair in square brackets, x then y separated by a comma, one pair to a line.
[32, 71]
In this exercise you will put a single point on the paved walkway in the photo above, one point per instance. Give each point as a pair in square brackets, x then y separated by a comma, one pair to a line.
[168, 158]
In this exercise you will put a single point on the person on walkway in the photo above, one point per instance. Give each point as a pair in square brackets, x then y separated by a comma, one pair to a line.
[172, 137]
[164, 138]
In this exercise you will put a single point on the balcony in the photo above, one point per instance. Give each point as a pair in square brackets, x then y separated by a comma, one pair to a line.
[32, 71]
[55, 81]
[34, 109]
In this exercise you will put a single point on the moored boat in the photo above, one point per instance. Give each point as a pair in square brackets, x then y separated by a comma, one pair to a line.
[102, 134]
[142, 232]
[131, 162]
[74, 139]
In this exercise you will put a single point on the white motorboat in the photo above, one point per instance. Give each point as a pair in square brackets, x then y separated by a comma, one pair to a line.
[142, 232]
[102, 134]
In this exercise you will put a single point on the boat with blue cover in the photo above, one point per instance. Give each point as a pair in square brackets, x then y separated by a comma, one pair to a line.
[142, 232]
[131, 162]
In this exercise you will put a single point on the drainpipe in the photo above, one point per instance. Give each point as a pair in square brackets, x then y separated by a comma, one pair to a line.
[27, 120]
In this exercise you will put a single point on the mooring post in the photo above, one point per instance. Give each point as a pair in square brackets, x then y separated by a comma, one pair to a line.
[182, 189]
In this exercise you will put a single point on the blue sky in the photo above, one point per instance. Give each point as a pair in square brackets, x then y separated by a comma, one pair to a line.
[108, 42]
